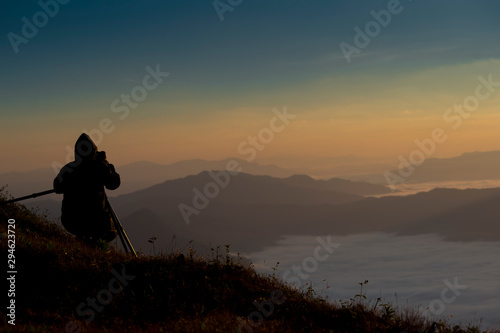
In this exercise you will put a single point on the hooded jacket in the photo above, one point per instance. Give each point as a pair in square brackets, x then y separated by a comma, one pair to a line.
[82, 182]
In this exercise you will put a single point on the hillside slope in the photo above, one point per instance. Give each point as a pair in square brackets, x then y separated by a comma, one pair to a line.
[63, 285]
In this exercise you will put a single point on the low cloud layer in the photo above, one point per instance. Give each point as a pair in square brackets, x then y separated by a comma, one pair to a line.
[409, 270]
[409, 189]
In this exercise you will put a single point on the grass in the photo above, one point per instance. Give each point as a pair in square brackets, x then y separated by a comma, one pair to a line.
[58, 278]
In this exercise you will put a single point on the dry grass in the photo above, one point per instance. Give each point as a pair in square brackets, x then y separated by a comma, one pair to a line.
[172, 293]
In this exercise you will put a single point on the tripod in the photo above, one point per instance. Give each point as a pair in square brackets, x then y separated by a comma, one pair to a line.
[127, 245]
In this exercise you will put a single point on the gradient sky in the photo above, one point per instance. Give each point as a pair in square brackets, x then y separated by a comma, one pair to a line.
[227, 76]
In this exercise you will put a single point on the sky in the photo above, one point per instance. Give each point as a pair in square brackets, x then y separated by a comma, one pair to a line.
[225, 69]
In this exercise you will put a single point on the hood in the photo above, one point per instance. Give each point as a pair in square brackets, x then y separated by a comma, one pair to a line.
[85, 148]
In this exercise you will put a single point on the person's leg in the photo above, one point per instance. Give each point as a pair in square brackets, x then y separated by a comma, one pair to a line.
[105, 230]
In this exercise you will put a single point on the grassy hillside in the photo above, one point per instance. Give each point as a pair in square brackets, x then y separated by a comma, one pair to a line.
[63, 285]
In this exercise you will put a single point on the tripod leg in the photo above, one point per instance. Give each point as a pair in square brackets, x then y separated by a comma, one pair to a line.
[126, 239]
[121, 232]
[120, 235]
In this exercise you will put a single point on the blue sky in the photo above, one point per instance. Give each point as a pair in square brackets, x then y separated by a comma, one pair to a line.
[264, 54]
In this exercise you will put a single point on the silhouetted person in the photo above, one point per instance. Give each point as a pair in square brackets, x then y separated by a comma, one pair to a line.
[84, 211]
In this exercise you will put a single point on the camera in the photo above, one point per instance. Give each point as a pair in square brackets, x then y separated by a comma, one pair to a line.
[101, 156]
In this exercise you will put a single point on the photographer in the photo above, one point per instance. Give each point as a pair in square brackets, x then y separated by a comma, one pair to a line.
[84, 212]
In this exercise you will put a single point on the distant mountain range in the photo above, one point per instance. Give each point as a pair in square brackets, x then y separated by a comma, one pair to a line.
[350, 166]
[136, 176]
[459, 215]
[249, 192]
[463, 215]
[466, 167]
[266, 202]
[251, 189]
[252, 212]
[336, 184]
[140, 175]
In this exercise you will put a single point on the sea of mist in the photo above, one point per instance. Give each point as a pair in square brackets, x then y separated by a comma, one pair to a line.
[402, 270]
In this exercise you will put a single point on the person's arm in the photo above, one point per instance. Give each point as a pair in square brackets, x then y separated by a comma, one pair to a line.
[112, 180]
[110, 177]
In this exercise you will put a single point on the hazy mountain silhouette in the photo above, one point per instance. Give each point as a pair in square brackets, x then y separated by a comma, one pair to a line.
[336, 184]
[140, 175]
[154, 226]
[137, 175]
[250, 189]
[161, 201]
[252, 226]
[466, 167]
[149, 221]
[324, 167]
[479, 218]
[255, 211]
